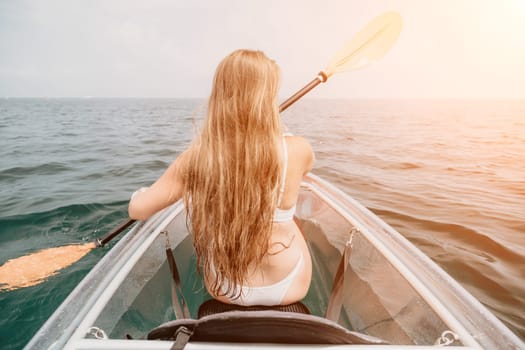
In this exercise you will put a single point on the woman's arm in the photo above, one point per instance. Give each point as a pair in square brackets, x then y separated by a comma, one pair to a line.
[164, 192]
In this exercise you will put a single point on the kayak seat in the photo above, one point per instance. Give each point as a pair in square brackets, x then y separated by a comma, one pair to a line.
[267, 326]
[214, 306]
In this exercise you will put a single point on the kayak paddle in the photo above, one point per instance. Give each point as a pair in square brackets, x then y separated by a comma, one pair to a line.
[367, 46]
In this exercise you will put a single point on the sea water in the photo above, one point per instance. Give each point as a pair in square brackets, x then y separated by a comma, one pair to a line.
[447, 174]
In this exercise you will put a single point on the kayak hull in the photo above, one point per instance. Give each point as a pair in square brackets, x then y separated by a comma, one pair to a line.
[391, 290]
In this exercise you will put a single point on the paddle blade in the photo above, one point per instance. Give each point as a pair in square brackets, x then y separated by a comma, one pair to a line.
[370, 44]
[35, 268]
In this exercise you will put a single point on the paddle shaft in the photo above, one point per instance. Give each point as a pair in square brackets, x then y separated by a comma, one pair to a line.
[100, 242]
[321, 78]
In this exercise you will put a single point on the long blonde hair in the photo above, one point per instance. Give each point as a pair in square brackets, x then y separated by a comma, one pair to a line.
[234, 170]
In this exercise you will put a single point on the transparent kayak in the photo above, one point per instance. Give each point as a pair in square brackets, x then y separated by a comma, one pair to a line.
[392, 294]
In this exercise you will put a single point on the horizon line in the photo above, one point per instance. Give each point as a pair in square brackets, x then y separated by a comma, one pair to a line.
[476, 98]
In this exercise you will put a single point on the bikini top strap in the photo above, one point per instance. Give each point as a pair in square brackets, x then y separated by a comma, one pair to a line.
[285, 169]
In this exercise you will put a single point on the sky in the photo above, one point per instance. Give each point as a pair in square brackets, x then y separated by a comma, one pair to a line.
[160, 48]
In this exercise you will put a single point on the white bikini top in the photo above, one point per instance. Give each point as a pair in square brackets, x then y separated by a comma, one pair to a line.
[283, 215]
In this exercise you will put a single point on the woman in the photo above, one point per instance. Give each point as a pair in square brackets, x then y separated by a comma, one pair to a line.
[240, 181]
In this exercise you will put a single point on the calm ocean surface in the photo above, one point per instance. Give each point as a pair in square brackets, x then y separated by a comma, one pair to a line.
[448, 175]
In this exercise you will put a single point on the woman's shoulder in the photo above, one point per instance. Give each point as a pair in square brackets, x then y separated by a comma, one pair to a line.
[300, 148]
[298, 143]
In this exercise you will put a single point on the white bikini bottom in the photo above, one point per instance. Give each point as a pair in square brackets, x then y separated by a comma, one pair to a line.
[272, 294]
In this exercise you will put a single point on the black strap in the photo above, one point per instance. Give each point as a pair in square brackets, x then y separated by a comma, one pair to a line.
[176, 286]
[333, 310]
[182, 337]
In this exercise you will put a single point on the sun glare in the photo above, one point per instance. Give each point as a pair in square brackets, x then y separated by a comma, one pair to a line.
[519, 5]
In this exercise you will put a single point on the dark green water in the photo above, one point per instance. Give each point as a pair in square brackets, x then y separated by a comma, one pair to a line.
[447, 174]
